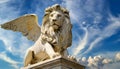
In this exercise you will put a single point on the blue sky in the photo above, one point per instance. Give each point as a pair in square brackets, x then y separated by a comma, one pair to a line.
[96, 31]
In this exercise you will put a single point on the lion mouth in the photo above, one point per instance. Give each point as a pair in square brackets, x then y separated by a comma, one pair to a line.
[55, 24]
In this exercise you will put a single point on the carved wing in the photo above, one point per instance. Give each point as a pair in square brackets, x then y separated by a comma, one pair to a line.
[27, 24]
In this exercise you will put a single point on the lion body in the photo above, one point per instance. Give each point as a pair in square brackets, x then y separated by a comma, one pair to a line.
[55, 38]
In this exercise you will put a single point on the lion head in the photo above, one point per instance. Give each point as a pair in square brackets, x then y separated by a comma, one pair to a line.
[56, 27]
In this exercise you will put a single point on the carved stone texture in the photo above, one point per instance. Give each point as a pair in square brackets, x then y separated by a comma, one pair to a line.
[56, 63]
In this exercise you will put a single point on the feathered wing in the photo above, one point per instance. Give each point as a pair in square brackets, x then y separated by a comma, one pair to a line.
[27, 24]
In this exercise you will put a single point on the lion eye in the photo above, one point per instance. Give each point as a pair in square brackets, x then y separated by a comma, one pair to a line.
[51, 15]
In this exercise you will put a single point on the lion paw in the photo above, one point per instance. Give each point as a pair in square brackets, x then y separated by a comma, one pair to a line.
[55, 55]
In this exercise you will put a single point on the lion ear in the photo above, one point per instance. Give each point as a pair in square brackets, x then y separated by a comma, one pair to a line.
[45, 14]
[56, 7]
[66, 12]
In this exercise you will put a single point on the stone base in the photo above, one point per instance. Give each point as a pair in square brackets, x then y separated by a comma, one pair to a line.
[56, 63]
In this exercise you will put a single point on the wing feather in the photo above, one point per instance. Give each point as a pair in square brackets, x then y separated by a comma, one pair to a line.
[27, 24]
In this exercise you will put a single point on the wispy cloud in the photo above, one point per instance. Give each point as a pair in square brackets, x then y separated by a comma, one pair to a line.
[88, 16]
[11, 45]
[3, 1]
[110, 30]
[4, 57]
[9, 37]
[16, 48]
[82, 43]
[79, 9]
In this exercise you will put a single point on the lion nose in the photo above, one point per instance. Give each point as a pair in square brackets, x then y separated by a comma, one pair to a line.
[54, 20]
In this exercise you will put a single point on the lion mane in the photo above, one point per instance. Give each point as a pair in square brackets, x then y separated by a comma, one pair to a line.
[62, 37]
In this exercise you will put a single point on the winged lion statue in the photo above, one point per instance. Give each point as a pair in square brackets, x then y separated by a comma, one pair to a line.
[51, 39]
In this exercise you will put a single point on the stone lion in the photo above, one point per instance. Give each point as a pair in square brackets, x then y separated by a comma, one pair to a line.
[51, 40]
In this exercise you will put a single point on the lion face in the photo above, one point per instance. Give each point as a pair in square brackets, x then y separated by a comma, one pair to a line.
[56, 19]
[56, 27]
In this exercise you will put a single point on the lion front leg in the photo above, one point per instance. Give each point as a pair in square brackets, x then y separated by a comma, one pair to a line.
[28, 58]
[50, 51]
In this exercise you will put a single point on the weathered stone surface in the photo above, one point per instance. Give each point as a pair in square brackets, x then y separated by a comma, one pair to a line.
[56, 63]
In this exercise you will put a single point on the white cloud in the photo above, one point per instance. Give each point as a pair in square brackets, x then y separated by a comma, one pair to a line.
[5, 36]
[84, 11]
[93, 44]
[73, 7]
[3, 1]
[7, 12]
[92, 62]
[117, 56]
[96, 62]
[110, 30]
[108, 54]
[106, 61]
[113, 63]
[79, 10]
[4, 57]
[83, 61]
[9, 37]
[14, 42]
[24, 44]
[17, 48]
[82, 43]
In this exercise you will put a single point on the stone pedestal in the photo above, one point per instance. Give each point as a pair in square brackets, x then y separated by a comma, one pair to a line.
[56, 63]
